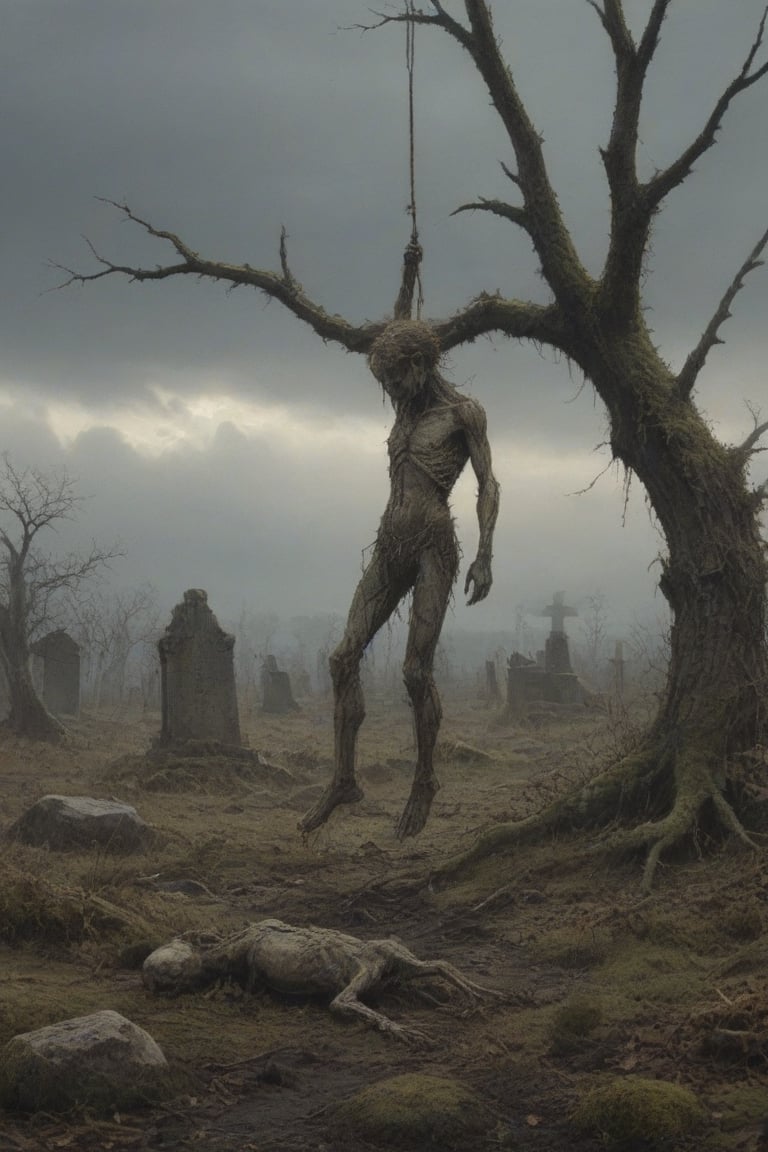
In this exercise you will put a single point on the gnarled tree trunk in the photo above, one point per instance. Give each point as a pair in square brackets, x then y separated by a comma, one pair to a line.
[27, 716]
[714, 579]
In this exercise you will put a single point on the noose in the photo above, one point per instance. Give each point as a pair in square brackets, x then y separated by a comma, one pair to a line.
[413, 252]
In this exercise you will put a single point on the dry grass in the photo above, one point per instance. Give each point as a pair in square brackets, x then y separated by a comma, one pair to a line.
[598, 979]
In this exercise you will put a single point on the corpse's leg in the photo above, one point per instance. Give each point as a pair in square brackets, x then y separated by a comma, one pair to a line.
[431, 593]
[376, 597]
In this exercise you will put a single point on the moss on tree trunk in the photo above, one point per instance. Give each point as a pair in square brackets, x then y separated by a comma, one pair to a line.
[714, 579]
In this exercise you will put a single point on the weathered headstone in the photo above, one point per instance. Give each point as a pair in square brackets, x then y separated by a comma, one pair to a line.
[197, 676]
[56, 672]
[276, 694]
[525, 681]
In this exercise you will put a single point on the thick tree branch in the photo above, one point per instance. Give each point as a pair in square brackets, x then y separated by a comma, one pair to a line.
[486, 314]
[650, 38]
[283, 286]
[663, 182]
[518, 319]
[688, 374]
[560, 264]
[630, 219]
[498, 208]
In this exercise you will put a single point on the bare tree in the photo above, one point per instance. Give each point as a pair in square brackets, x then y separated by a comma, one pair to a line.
[30, 581]
[714, 572]
[109, 627]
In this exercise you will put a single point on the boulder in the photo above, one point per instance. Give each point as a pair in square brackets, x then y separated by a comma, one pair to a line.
[103, 1061]
[78, 822]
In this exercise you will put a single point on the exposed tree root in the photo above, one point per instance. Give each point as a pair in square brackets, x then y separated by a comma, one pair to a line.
[634, 784]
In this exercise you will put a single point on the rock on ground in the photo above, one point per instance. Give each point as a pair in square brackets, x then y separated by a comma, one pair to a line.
[66, 822]
[102, 1060]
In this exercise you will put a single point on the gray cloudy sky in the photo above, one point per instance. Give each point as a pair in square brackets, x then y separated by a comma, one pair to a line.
[224, 443]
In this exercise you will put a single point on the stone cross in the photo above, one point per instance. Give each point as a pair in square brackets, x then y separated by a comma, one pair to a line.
[557, 610]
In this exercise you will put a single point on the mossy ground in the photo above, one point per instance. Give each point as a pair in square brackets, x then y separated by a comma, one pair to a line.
[601, 982]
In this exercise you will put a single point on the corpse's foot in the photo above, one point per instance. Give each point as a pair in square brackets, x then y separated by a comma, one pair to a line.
[336, 794]
[417, 809]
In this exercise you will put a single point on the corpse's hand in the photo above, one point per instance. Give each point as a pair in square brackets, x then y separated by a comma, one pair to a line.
[479, 574]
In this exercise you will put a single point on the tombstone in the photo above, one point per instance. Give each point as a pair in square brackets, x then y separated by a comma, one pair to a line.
[56, 672]
[276, 694]
[550, 678]
[525, 681]
[557, 658]
[197, 676]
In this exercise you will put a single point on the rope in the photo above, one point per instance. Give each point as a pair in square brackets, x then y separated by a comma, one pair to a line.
[410, 40]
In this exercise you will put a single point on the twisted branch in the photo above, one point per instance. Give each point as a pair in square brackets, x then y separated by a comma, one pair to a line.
[688, 374]
[498, 208]
[283, 286]
[663, 182]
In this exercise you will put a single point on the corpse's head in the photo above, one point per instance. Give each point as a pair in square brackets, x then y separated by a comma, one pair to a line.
[403, 357]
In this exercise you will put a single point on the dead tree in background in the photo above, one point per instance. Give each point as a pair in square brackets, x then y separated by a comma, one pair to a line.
[109, 628]
[31, 501]
[714, 573]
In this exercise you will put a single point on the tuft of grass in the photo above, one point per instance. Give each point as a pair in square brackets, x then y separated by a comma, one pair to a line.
[34, 908]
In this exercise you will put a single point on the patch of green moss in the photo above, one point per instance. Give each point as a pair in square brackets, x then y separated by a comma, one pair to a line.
[739, 1106]
[634, 1109]
[573, 948]
[652, 974]
[573, 1023]
[413, 1110]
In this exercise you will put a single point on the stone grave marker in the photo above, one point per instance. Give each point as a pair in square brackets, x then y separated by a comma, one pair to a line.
[197, 676]
[276, 693]
[56, 672]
